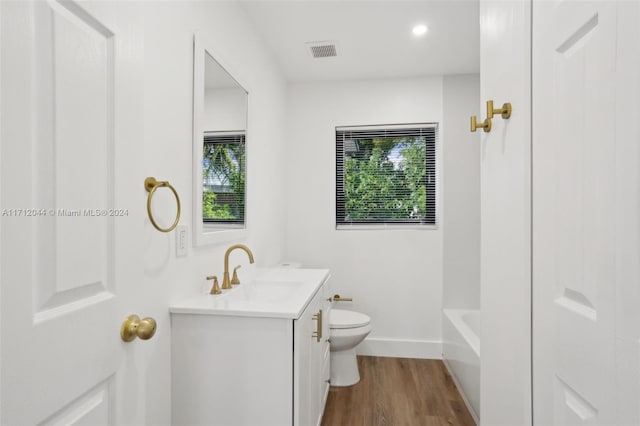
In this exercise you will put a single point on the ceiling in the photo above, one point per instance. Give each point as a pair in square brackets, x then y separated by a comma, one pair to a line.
[373, 38]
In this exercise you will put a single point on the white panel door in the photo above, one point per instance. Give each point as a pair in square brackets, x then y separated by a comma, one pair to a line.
[72, 210]
[505, 191]
[585, 212]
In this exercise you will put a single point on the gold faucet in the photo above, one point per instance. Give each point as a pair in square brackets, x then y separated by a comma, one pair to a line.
[215, 289]
[234, 279]
[226, 283]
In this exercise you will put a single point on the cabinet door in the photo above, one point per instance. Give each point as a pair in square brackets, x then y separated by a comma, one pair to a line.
[323, 357]
[307, 364]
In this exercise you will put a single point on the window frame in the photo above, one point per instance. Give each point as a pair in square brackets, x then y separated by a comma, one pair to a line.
[431, 133]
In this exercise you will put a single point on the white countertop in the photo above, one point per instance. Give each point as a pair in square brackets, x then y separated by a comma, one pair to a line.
[273, 293]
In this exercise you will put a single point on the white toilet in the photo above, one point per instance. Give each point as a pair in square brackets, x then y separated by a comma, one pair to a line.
[347, 330]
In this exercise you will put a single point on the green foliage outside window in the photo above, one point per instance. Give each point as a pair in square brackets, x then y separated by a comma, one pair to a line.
[385, 179]
[211, 210]
[223, 168]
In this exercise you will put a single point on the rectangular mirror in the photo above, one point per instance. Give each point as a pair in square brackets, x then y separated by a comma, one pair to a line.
[219, 148]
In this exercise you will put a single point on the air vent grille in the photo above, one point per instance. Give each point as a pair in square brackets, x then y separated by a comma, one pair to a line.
[322, 49]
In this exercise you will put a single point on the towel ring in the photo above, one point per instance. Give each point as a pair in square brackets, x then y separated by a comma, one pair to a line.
[151, 184]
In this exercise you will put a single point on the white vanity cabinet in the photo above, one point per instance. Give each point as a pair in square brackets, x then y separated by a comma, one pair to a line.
[259, 367]
[311, 361]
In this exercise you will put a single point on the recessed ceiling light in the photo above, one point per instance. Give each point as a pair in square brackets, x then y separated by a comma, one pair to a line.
[419, 30]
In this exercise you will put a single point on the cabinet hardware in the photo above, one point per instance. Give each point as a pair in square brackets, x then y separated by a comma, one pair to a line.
[318, 333]
[486, 124]
[505, 111]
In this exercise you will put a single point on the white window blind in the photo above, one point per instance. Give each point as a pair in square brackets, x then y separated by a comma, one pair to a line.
[386, 174]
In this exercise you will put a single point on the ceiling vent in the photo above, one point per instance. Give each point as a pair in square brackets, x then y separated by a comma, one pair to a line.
[322, 49]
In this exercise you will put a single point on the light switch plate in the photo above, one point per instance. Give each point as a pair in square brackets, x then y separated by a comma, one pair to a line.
[182, 241]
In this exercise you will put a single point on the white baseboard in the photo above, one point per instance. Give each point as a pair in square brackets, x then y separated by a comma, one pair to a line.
[401, 348]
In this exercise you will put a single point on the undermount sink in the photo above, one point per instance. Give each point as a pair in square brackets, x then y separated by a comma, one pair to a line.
[267, 291]
[272, 292]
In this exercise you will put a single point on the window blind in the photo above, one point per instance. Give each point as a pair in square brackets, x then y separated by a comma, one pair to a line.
[224, 176]
[386, 174]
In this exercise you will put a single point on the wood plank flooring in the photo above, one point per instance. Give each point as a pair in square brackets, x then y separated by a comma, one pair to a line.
[398, 391]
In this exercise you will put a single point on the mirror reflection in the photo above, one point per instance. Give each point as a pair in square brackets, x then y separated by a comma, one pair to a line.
[224, 126]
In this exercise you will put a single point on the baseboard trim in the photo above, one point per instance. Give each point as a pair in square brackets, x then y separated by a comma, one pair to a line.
[401, 348]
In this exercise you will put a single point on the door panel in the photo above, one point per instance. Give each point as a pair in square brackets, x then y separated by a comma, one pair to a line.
[574, 203]
[505, 191]
[93, 408]
[65, 116]
[73, 161]
[81, 140]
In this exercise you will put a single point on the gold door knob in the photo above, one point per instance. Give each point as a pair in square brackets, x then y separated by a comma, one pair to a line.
[133, 327]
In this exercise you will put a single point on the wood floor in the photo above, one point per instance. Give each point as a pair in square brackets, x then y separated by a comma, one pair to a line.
[398, 391]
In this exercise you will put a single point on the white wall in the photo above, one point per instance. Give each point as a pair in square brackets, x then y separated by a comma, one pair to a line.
[461, 230]
[394, 276]
[461, 193]
[225, 109]
[168, 47]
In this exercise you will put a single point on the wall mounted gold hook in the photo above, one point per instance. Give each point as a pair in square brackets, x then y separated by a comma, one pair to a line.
[505, 111]
[486, 124]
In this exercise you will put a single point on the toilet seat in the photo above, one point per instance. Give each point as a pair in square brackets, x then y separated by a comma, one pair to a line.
[340, 319]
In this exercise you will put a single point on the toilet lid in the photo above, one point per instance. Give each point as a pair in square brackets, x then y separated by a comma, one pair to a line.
[347, 319]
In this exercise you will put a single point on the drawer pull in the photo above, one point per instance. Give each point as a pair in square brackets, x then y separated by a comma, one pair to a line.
[318, 333]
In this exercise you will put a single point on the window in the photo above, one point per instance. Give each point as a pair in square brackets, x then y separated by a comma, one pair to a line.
[386, 175]
[223, 180]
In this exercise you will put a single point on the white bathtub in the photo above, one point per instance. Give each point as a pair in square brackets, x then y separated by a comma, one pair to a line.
[461, 354]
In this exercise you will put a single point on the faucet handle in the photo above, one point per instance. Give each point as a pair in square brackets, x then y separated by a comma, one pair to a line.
[215, 289]
[234, 279]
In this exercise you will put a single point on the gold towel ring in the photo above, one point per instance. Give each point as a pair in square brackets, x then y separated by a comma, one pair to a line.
[151, 184]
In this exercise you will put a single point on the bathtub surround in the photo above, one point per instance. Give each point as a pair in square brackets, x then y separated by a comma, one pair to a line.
[461, 354]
